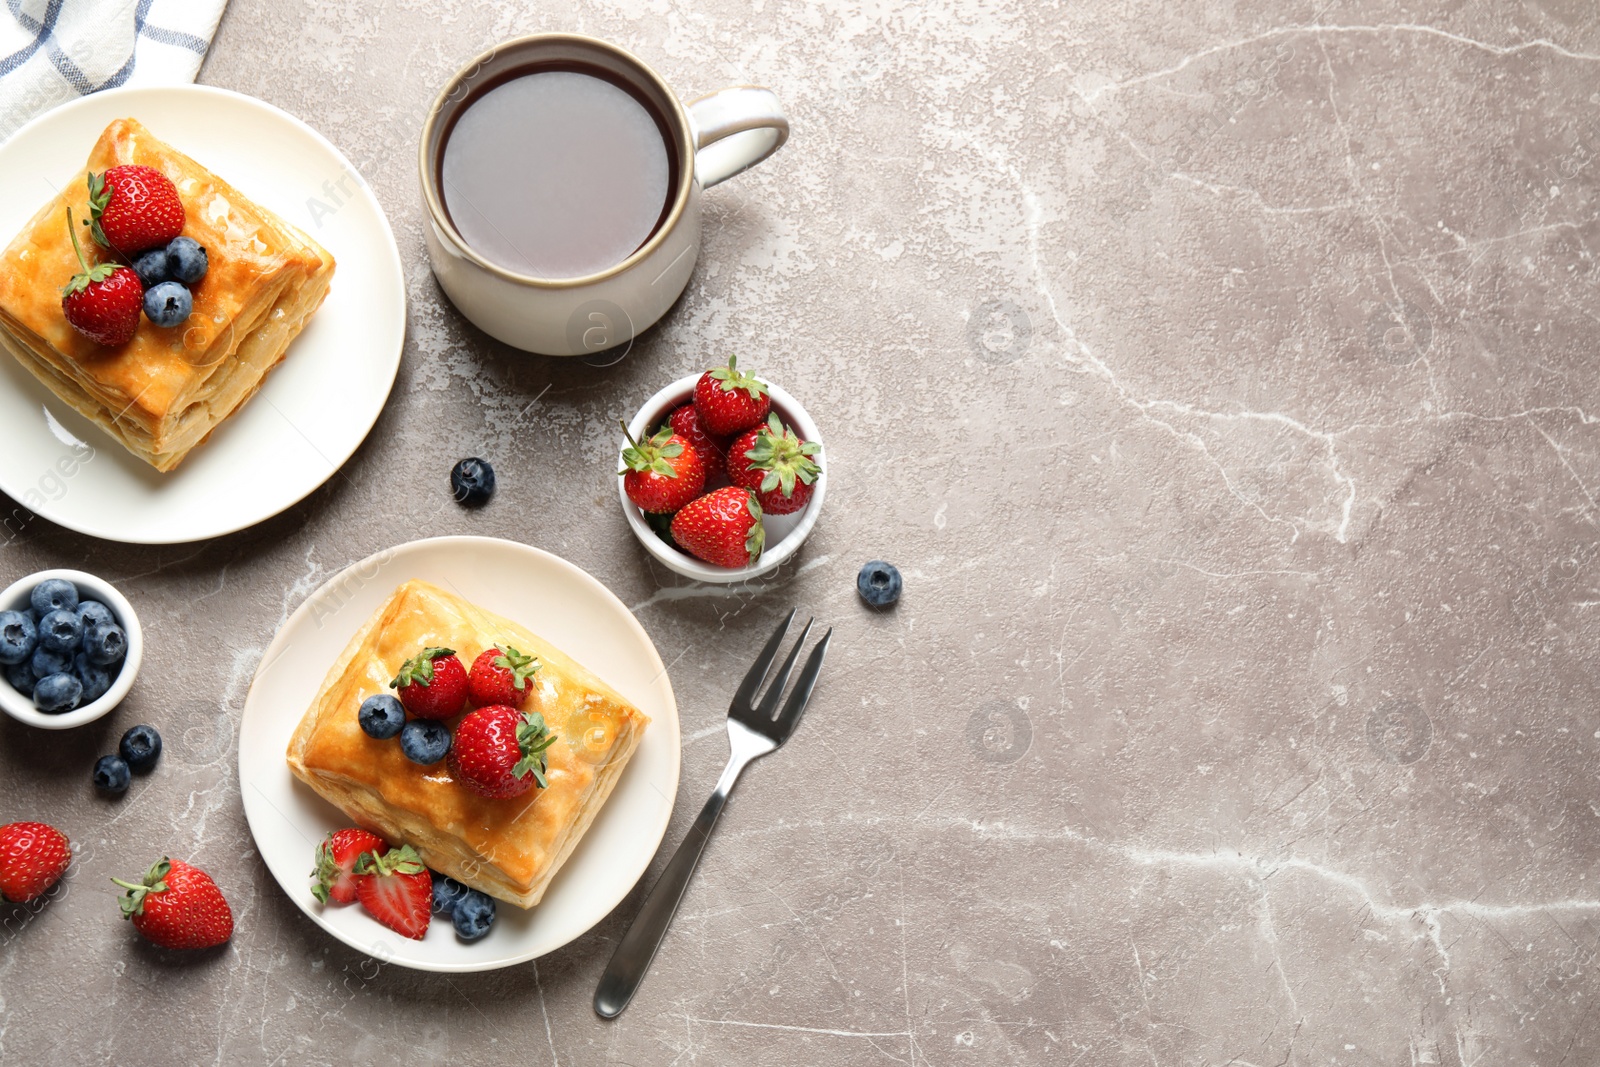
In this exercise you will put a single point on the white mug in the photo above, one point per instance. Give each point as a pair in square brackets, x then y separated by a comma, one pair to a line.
[711, 140]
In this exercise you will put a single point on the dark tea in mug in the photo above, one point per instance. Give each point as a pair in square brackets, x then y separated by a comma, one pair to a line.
[557, 171]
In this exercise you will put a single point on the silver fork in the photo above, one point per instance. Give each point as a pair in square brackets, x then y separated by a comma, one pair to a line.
[753, 731]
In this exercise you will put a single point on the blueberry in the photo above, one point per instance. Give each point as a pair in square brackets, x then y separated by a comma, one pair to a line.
[472, 481]
[111, 775]
[381, 716]
[18, 637]
[168, 304]
[105, 644]
[447, 892]
[53, 594]
[473, 915]
[56, 693]
[140, 748]
[878, 583]
[92, 612]
[45, 663]
[152, 267]
[425, 741]
[96, 679]
[61, 631]
[20, 675]
[186, 259]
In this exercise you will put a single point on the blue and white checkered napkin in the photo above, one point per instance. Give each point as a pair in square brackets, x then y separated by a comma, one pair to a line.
[52, 51]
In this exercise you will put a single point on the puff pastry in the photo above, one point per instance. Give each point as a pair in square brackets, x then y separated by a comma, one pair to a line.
[163, 392]
[508, 848]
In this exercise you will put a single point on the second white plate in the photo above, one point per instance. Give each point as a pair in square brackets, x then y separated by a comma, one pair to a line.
[312, 412]
[568, 608]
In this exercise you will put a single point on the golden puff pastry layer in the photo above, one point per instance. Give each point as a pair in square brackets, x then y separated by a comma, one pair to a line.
[163, 392]
[508, 848]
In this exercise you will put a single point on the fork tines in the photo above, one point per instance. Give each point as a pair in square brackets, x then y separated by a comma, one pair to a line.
[766, 717]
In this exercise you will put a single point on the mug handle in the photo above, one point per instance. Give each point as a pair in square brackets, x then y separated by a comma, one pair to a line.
[734, 129]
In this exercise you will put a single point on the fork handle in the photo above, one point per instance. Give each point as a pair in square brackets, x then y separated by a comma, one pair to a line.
[638, 946]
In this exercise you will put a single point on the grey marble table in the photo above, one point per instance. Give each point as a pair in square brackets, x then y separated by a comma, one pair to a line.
[1223, 379]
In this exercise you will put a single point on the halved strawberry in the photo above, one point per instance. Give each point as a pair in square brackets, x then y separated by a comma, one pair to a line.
[399, 891]
[335, 871]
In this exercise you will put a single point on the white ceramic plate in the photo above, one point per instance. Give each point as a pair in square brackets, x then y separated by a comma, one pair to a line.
[314, 409]
[564, 605]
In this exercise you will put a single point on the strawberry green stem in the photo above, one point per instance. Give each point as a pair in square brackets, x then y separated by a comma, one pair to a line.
[402, 860]
[72, 232]
[132, 902]
[89, 275]
[521, 665]
[653, 454]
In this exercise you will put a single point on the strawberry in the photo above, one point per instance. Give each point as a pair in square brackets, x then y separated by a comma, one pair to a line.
[773, 462]
[738, 464]
[177, 906]
[102, 302]
[335, 871]
[500, 676]
[685, 422]
[500, 751]
[723, 527]
[663, 474]
[133, 208]
[33, 857]
[729, 401]
[397, 890]
[432, 684]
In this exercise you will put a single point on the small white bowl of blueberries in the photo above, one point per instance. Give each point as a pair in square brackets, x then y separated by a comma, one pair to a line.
[70, 646]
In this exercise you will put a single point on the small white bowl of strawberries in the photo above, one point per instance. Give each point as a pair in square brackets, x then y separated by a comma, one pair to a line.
[722, 475]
